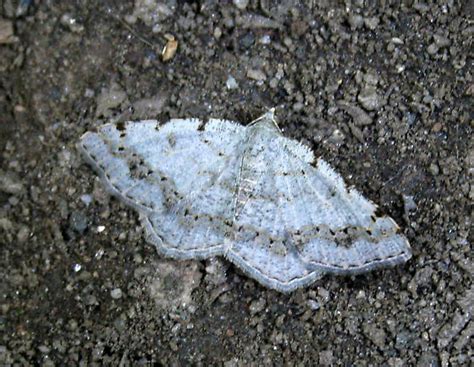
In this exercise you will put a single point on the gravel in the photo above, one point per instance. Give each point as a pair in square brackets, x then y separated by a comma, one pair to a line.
[383, 92]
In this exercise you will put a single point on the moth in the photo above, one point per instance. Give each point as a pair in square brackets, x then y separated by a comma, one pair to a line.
[261, 200]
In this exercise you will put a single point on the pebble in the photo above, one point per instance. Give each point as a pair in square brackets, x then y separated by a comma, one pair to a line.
[89, 93]
[174, 346]
[375, 334]
[86, 199]
[257, 306]
[254, 21]
[395, 362]
[241, 4]
[432, 49]
[371, 22]
[465, 337]
[265, 39]
[216, 271]
[151, 12]
[437, 127]
[44, 349]
[326, 358]
[397, 41]
[10, 183]
[91, 300]
[434, 169]
[78, 222]
[231, 83]
[323, 294]
[313, 305]
[116, 293]
[23, 234]
[299, 28]
[77, 268]
[247, 40]
[256, 75]
[411, 118]
[6, 31]
[298, 106]
[421, 278]
[120, 323]
[217, 32]
[109, 99]
[369, 99]
[441, 41]
[149, 107]
[23, 6]
[355, 21]
[359, 116]
[452, 329]
[336, 138]
[5, 224]
[409, 204]
[173, 283]
[371, 78]
[68, 21]
[427, 359]
[98, 255]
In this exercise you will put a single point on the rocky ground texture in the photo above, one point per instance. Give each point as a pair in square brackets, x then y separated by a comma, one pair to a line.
[384, 93]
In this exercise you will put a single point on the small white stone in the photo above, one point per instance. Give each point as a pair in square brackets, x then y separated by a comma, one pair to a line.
[256, 74]
[231, 83]
[241, 4]
[265, 39]
[86, 199]
[6, 32]
[99, 254]
[217, 33]
[116, 293]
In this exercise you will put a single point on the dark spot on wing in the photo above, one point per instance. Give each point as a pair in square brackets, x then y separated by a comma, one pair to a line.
[120, 126]
[201, 126]
[171, 139]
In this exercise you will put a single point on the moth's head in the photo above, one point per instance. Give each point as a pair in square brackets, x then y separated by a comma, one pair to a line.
[266, 122]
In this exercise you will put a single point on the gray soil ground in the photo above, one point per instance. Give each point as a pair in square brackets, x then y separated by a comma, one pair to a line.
[382, 92]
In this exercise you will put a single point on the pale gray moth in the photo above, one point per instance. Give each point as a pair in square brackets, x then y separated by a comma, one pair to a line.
[244, 192]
